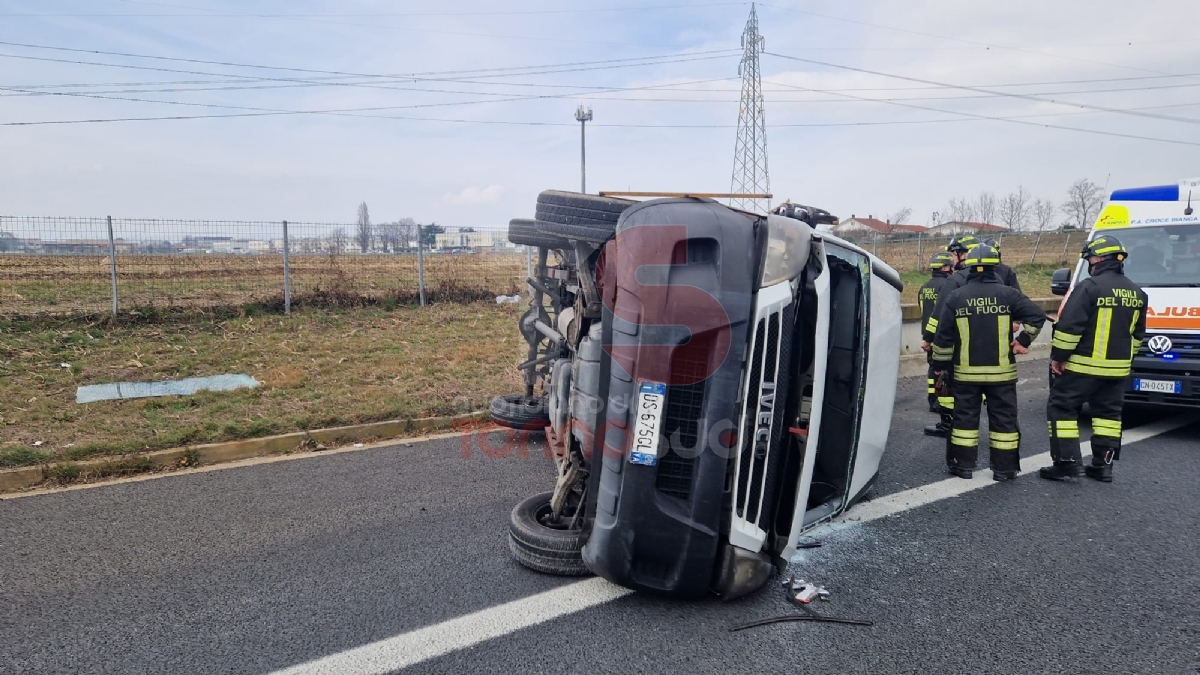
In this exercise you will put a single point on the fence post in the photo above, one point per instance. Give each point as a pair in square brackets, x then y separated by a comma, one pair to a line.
[112, 259]
[875, 244]
[920, 255]
[1036, 245]
[421, 264]
[529, 268]
[287, 274]
[1063, 258]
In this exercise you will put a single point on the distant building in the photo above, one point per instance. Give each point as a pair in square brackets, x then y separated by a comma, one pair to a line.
[855, 227]
[956, 227]
[260, 246]
[488, 240]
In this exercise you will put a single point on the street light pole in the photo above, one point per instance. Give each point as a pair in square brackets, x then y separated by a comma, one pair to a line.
[584, 116]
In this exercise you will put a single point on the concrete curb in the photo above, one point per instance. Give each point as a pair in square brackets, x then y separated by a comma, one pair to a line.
[231, 451]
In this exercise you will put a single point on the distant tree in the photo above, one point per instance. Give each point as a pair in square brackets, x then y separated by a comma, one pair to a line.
[429, 234]
[364, 233]
[406, 233]
[961, 210]
[1043, 214]
[337, 240]
[389, 236]
[7, 242]
[1014, 209]
[1083, 203]
[986, 207]
[900, 217]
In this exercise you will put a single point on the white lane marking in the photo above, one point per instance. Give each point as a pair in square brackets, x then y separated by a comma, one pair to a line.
[953, 487]
[439, 639]
[443, 638]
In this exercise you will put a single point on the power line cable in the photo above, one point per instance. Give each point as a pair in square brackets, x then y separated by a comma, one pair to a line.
[1027, 97]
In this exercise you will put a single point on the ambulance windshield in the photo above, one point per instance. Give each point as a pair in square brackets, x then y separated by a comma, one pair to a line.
[1161, 256]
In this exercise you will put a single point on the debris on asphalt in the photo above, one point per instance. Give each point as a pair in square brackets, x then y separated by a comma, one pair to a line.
[807, 591]
[808, 544]
[800, 617]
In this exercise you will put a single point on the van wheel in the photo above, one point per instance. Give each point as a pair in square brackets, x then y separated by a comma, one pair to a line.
[542, 543]
[527, 413]
[524, 231]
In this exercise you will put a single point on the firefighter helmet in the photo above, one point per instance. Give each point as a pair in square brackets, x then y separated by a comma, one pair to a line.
[962, 243]
[982, 258]
[941, 259]
[1106, 246]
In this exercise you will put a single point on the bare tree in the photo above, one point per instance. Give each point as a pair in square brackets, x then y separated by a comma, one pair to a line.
[406, 233]
[364, 233]
[1015, 209]
[900, 216]
[1083, 202]
[389, 236]
[985, 207]
[1043, 214]
[961, 210]
[337, 241]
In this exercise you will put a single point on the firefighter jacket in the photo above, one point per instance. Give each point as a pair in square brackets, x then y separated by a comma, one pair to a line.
[929, 324]
[974, 334]
[1102, 324]
[927, 295]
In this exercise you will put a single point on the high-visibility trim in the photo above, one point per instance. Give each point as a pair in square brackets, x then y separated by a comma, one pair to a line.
[1103, 329]
[986, 378]
[946, 402]
[1106, 250]
[1065, 341]
[1134, 346]
[1063, 428]
[1004, 440]
[931, 325]
[1097, 372]
[1135, 343]
[946, 352]
[964, 437]
[1032, 331]
[930, 383]
[964, 338]
[1105, 427]
[1004, 326]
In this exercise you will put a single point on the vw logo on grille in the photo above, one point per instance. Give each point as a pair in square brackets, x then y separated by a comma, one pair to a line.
[1159, 344]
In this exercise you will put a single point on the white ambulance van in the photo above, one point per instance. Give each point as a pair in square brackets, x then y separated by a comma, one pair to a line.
[1160, 227]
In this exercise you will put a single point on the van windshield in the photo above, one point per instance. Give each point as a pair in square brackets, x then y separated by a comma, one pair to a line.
[1161, 256]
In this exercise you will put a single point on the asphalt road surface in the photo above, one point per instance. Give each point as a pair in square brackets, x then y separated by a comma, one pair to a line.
[363, 561]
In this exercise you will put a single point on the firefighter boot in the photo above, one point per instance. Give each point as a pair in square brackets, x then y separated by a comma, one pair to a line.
[1101, 468]
[942, 428]
[960, 460]
[1061, 471]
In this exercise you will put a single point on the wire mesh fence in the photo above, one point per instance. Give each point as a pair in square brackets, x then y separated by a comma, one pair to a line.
[912, 251]
[55, 265]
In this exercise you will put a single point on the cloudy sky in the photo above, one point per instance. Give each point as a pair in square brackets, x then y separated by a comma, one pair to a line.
[461, 111]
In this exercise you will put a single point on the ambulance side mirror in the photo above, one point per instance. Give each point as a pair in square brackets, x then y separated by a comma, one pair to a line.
[1060, 282]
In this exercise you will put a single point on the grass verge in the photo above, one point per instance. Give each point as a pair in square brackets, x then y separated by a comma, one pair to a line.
[317, 368]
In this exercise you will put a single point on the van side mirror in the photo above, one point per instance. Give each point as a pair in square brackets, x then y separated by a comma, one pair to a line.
[1060, 282]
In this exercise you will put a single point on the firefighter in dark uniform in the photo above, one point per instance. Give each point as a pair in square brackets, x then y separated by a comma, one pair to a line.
[957, 248]
[1100, 328]
[975, 340]
[1004, 273]
[940, 267]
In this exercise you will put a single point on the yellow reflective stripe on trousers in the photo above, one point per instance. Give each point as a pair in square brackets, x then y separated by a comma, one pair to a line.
[1103, 329]
[1004, 324]
[946, 402]
[964, 339]
[997, 374]
[1004, 440]
[930, 383]
[1063, 428]
[1104, 427]
[964, 437]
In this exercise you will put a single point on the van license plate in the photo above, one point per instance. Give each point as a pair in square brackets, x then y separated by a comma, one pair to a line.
[1163, 386]
[651, 396]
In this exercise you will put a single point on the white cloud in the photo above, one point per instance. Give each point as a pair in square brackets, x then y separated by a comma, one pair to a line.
[473, 195]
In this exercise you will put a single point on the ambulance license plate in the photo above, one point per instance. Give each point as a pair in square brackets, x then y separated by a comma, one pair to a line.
[1161, 386]
[651, 396]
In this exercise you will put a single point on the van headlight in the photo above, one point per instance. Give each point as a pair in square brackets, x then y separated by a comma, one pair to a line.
[788, 242]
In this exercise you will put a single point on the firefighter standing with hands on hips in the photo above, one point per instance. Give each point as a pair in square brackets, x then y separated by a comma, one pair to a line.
[974, 341]
[941, 265]
[1100, 328]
